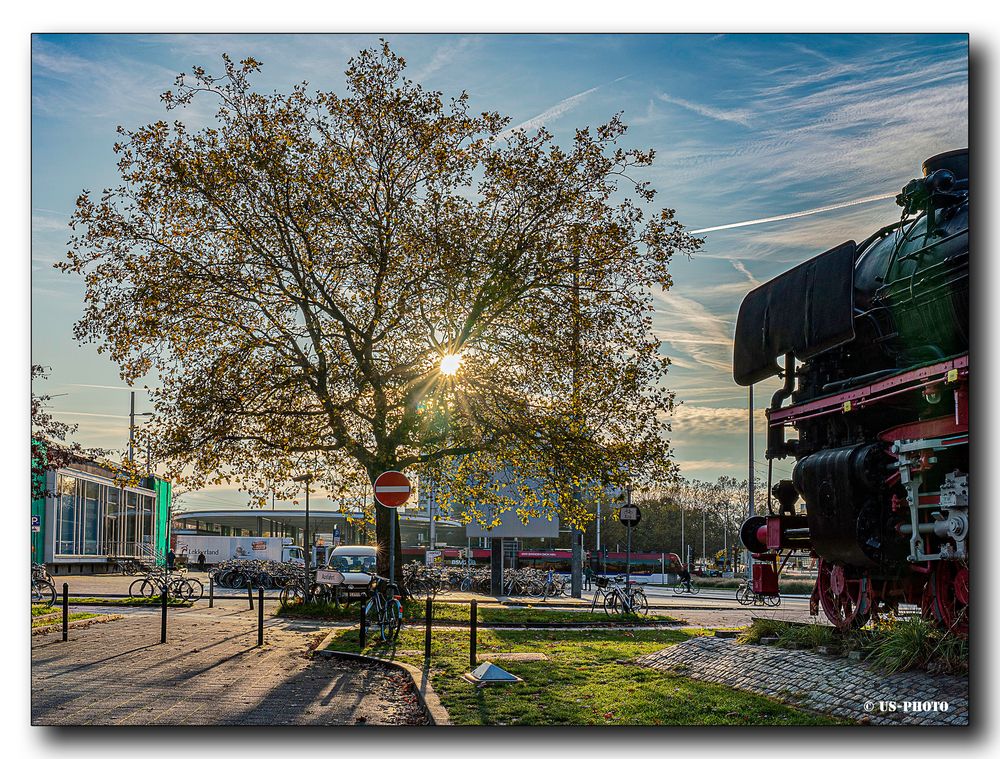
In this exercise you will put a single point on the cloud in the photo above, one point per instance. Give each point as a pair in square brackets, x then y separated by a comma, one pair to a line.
[443, 56]
[708, 419]
[551, 114]
[735, 115]
[795, 214]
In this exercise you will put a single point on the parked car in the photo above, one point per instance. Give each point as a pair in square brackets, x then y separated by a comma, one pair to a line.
[357, 564]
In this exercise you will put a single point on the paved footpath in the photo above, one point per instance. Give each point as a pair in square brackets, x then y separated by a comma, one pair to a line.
[828, 684]
[210, 672]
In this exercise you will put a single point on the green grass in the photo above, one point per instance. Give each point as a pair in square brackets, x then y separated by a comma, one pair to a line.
[586, 680]
[413, 611]
[915, 643]
[39, 610]
[126, 602]
[72, 618]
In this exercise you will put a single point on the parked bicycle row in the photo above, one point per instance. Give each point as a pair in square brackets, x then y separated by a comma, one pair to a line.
[422, 581]
[255, 573]
[175, 583]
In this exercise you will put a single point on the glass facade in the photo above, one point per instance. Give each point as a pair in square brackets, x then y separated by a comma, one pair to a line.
[93, 518]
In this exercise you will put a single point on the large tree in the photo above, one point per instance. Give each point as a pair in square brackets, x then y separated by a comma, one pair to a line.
[380, 279]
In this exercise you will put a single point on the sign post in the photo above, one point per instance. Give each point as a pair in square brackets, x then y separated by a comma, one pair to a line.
[392, 490]
[629, 516]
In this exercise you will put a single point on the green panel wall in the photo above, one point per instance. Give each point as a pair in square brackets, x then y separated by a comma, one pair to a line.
[164, 503]
[38, 510]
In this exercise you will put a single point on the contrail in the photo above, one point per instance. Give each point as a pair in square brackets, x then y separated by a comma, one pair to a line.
[795, 215]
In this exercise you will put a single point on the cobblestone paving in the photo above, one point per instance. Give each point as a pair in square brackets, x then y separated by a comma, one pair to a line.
[827, 684]
[210, 672]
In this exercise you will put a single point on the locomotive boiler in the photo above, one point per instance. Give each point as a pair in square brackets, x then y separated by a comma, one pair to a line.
[873, 343]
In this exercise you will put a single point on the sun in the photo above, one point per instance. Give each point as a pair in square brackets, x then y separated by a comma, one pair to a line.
[450, 363]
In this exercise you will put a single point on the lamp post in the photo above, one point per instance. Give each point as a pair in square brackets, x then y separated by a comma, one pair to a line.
[306, 478]
[131, 425]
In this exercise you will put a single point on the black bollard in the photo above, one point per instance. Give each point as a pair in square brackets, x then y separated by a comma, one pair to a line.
[361, 606]
[473, 625]
[211, 591]
[65, 605]
[260, 616]
[428, 615]
[250, 594]
[163, 615]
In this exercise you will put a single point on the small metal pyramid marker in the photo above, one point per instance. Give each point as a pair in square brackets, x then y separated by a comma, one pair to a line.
[488, 673]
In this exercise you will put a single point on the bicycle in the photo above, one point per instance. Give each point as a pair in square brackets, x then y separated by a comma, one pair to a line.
[746, 596]
[680, 587]
[383, 610]
[625, 600]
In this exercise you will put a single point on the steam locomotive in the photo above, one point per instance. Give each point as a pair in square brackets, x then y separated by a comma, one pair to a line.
[874, 338]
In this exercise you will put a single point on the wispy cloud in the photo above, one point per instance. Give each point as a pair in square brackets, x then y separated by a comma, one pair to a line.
[794, 214]
[560, 108]
[734, 115]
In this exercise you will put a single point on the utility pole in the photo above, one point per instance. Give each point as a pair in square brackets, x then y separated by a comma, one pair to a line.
[576, 567]
[683, 544]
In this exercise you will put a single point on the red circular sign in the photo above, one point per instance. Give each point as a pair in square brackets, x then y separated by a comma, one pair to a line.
[392, 489]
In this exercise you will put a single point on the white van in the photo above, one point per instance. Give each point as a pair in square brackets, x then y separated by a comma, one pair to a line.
[357, 564]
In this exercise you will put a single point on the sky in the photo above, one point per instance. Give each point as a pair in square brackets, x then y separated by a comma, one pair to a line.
[779, 147]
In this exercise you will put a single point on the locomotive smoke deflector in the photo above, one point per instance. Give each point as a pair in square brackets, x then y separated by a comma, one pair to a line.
[806, 310]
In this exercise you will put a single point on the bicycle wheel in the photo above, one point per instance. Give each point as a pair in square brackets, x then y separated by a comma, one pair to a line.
[640, 605]
[395, 614]
[290, 594]
[197, 589]
[43, 591]
[611, 604]
[678, 588]
[135, 589]
[744, 595]
[772, 600]
[695, 590]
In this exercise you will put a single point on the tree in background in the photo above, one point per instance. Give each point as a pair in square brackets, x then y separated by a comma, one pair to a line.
[383, 280]
[50, 449]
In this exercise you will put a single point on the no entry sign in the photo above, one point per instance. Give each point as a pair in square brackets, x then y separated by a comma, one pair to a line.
[392, 489]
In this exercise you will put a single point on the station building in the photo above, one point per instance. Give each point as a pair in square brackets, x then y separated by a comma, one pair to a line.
[87, 520]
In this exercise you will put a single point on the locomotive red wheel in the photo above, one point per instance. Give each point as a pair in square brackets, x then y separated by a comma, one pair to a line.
[844, 599]
[951, 597]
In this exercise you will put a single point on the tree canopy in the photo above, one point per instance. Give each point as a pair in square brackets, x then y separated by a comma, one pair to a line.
[295, 273]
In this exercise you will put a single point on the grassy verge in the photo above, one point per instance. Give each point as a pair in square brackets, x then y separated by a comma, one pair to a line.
[72, 618]
[413, 611]
[586, 680]
[40, 610]
[126, 602]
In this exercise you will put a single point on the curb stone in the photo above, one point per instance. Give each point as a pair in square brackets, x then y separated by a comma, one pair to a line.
[432, 706]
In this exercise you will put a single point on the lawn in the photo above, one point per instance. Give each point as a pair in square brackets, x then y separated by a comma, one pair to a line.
[586, 680]
[413, 611]
[135, 601]
[58, 620]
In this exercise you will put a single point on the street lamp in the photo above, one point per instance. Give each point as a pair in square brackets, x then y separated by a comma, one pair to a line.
[131, 426]
[306, 478]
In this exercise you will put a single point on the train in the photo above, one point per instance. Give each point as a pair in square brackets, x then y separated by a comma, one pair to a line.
[871, 341]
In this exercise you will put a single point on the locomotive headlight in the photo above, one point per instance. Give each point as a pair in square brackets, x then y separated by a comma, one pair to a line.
[932, 394]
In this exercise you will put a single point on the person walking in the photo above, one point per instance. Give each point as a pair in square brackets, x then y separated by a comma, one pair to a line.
[588, 578]
[171, 558]
[201, 561]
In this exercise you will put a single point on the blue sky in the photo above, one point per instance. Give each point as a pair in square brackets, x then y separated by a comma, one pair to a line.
[746, 127]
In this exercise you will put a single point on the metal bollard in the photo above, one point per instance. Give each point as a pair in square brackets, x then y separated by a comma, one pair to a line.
[260, 616]
[473, 625]
[163, 617]
[361, 606]
[65, 605]
[428, 616]
[211, 591]
[250, 594]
